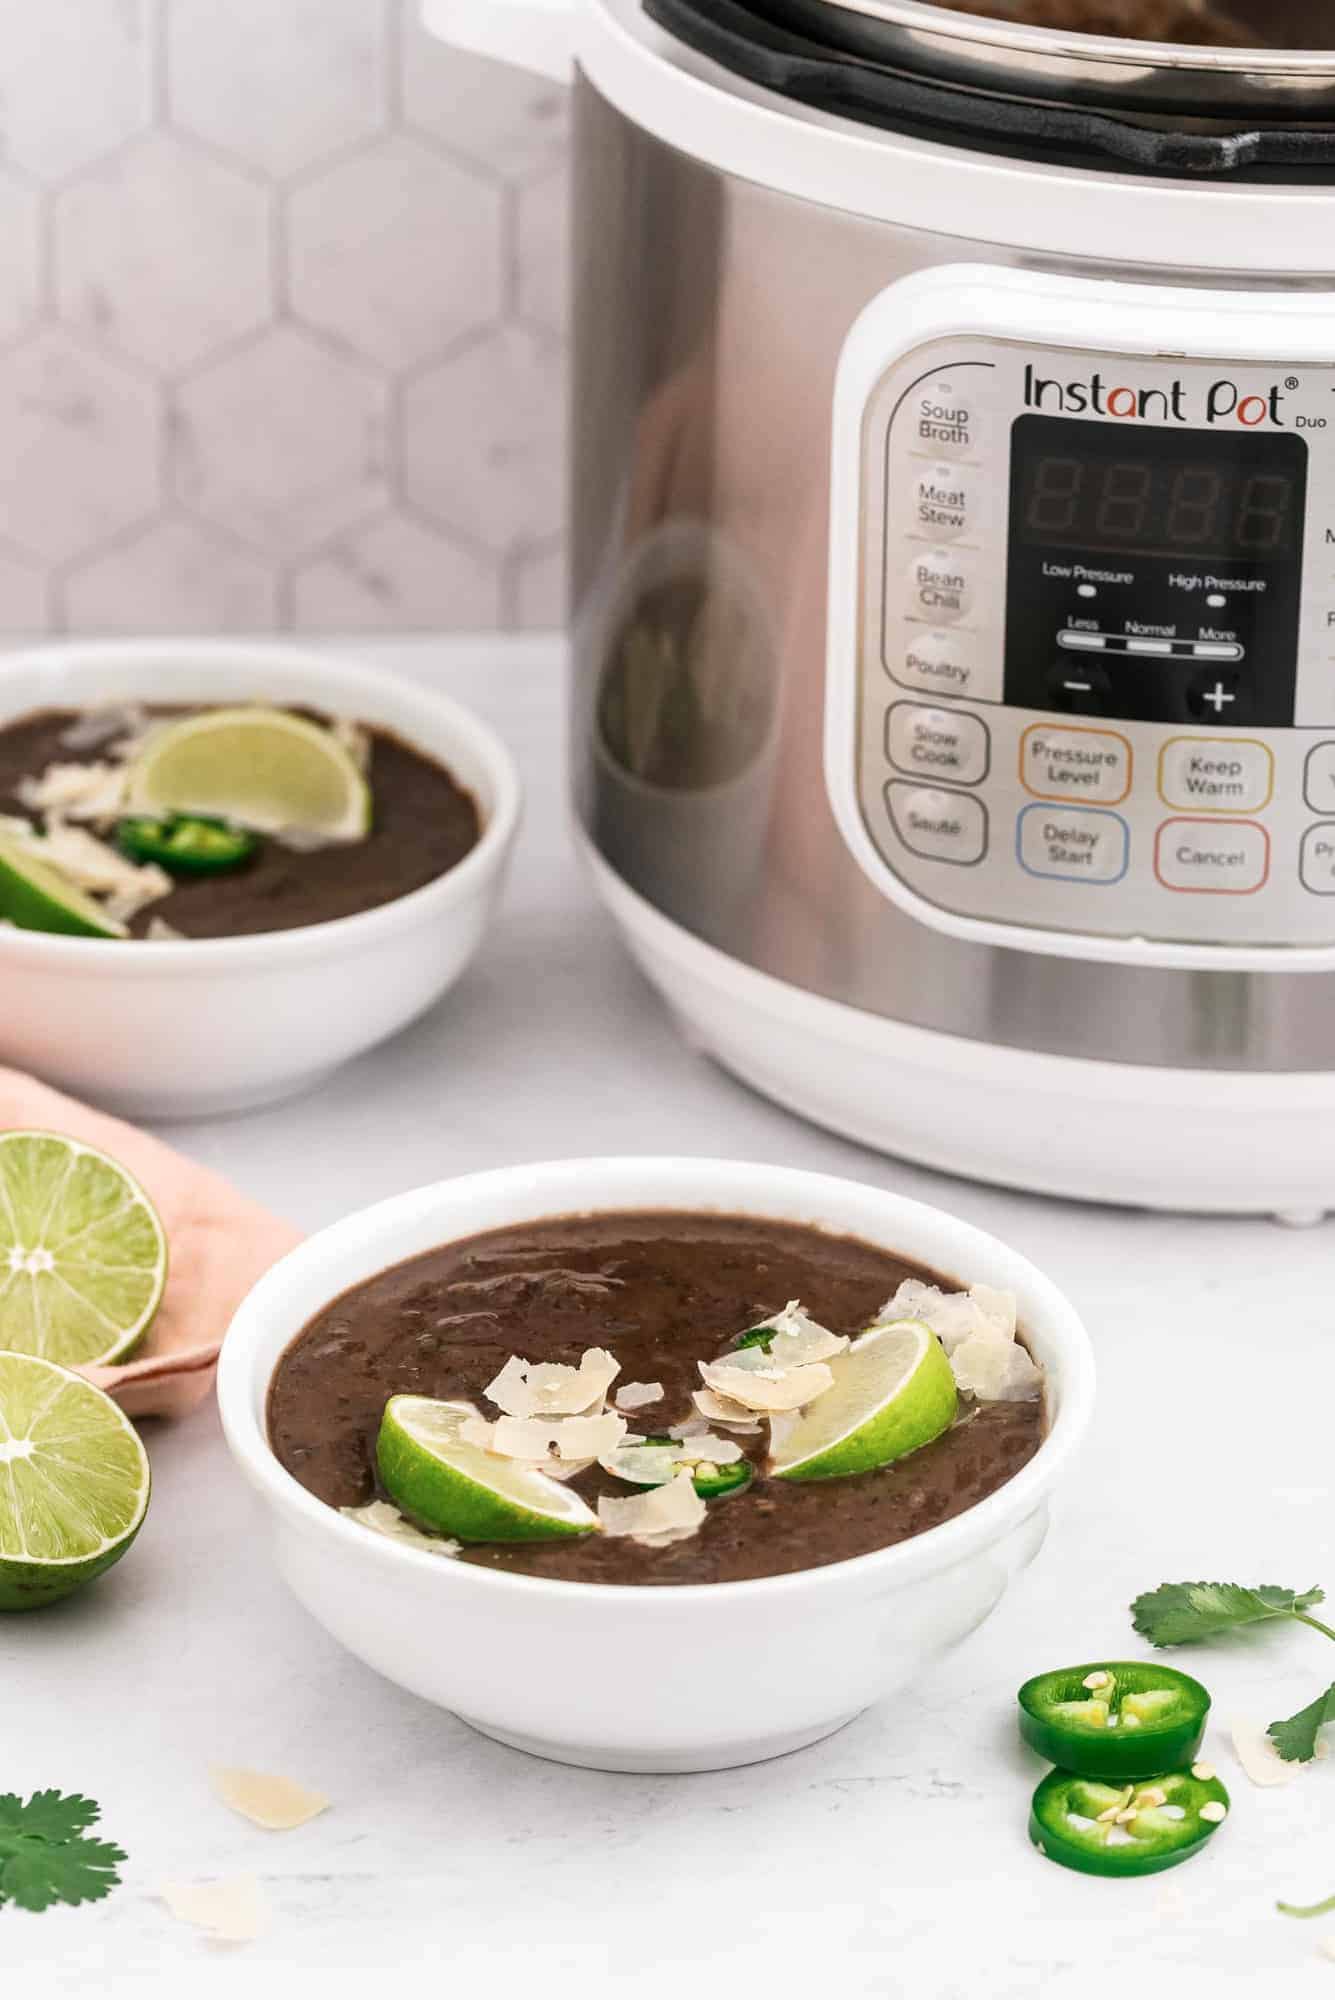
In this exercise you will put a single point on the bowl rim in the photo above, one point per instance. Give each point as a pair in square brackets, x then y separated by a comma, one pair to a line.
[205, 957]
[930, 1552]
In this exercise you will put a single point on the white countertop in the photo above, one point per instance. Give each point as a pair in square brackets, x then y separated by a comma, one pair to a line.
[892, 1858]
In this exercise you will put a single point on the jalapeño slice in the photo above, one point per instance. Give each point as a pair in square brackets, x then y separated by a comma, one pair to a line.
[1141, 1829]
[184, 844]
[713, 1482]
[1119, 1719]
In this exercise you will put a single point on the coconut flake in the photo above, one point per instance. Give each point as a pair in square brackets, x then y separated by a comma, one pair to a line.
[1258, 1755]
[99, 870]
[767, 1388]
[97, 727]
[656, 1517]
[715, 1409]
[76, 791]
[276, 1804]
[535, 1439]
[551, 1388]
[798, 1339]
[981, 1312]
[354, 738]
[638, 1395]
[383, 1519]
[233, 1912]
[161, 932]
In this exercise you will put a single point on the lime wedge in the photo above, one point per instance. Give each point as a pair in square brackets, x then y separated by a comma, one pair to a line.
[74, 1482]
[476, 1496]
[83, 1257]
[893, 1392]
[38, 896]
[255, 767]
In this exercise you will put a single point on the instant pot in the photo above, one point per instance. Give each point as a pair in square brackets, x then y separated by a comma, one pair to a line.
[954, 569]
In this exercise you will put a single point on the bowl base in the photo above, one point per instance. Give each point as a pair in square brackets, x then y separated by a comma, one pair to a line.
[664, 1763]
[166, 1107]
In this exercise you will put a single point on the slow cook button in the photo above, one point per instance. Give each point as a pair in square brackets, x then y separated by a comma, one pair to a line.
[940, 586]
[937, 662]
[1212, 857]
[1073, 843]
[1216, 773]
[936, 743]
[1319, 779]
[940, 826]
[1075, 763]
[945, 502]
[946, 416]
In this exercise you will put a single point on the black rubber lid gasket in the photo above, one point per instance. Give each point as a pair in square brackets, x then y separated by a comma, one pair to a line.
[740, 40]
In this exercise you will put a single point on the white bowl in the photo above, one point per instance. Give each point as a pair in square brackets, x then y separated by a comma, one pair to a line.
[645, 1678]
[187, 1030]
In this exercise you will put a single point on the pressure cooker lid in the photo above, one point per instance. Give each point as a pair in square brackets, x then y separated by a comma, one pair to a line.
[1213, 87]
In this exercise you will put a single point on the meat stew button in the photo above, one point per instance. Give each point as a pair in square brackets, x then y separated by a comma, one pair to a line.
[938, 825]
[1073, 843]
[936, 743]
[1212, 857]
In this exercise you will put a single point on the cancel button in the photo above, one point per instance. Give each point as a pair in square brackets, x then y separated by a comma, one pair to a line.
[1212, 857]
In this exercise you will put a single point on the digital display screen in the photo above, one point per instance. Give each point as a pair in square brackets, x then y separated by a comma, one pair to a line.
[1107, 490]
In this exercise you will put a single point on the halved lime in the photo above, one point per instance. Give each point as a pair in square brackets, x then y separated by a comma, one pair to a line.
[83, 1256]
[458, 1490]
[74, 1482]
[256, 767]
[893, 1392]
[36, 895]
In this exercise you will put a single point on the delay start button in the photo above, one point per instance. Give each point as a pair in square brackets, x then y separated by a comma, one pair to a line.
[1073, 844]
[937, 743]
[1212, 857]
[939, 826]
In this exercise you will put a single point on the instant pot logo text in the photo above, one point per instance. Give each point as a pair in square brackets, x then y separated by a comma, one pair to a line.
[1215, 403]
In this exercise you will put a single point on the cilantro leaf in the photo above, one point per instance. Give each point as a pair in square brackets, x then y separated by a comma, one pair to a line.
[47, 1815]
[1180, 1614]
[46, 1855]
[38, 1873]
[1295, 1739]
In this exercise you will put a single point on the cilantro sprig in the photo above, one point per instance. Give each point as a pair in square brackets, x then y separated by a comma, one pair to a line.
[47, 1855]
[1187, 1614]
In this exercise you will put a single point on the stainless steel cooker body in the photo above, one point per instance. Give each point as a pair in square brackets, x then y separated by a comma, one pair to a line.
[711, 313]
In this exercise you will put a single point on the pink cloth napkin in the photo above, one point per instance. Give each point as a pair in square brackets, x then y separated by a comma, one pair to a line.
[218, 1242]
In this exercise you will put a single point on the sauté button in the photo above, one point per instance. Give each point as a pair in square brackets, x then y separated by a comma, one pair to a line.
[940, 826]
[1075, 764]
[1216, 773]
[1317, 860]
[937, 662]
[945, 502]
[1212, 857]
[1073, 843]
[940, 586]
[936, 743]
[1319, 778]
[946, 415]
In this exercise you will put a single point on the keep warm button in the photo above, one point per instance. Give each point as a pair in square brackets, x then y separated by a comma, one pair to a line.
[1073, 844]
[1212, 857]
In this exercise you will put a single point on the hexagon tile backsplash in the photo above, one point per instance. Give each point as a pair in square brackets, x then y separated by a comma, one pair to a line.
[281, 322]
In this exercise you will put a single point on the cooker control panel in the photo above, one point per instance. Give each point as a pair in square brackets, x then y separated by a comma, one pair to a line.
[1084, 684]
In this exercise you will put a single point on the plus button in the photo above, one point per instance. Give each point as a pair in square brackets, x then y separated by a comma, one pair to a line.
[1218, 697]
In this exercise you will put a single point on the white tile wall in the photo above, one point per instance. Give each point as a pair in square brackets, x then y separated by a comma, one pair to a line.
[282, 310]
